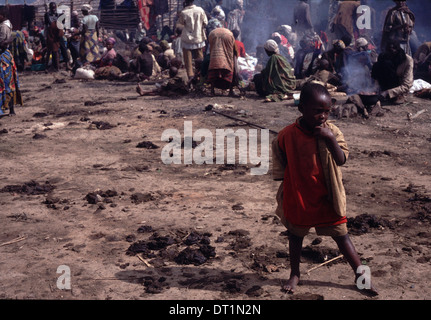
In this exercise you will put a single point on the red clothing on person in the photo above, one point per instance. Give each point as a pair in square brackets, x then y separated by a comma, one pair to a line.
[306, 202]
[240, 48]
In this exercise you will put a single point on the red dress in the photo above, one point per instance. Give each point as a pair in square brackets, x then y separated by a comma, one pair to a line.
[305, 201]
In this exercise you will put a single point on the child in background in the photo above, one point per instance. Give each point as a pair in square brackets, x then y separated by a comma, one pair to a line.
[306, 157]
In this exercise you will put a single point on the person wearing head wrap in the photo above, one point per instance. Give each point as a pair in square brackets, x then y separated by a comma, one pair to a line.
[107, 59]
[271, 47]
[286, 50]
[90, 34]
[86, 7]
[277, 80]
[361, 42]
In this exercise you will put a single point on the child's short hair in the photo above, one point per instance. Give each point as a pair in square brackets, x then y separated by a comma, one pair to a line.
[310, 90]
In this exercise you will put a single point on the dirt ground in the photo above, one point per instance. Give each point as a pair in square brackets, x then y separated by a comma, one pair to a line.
[83, 185]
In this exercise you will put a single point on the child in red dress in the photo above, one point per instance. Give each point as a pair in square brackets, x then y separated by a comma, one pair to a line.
[306, 157]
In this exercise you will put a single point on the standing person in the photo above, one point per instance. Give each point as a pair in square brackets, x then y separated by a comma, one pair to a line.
[90, 35]
[74, 20]
[343, 25]
[53, 38]
[235, 18]
[302, 18]
[307, 155]
[223, 55]
[398, 25]
[50, 17]
[10, 94]
[73, 44]
[193, 20]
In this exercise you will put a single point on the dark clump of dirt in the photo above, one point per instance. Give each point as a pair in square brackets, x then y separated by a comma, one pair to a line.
[40, 115]
[144, 229]
[99, 196]
[39, 136]
[146, 145]
[153, 285]
[198, 249]
[196, 237]
[102, 125]
[240, 239]
[317, 254]
[92, 103]
[157, 242]
[30, 188]
[364, 223]
[4, 131]
[235, 168]
[141, 197]
[138, 247]
[195, 256]
[69, 113]
[421, 204]
[254, 291]
[164, 247]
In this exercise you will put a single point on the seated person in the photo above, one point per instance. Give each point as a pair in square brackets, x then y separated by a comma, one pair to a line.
[177, 84]
[422, 62]
[306, 58]
[394, 73]
[276, 81]
[322, 74]
[107, 59]
[286, 50]
[167, 54]
[336, 57]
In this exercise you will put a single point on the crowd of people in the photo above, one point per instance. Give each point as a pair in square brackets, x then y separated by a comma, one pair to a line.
[206, 46]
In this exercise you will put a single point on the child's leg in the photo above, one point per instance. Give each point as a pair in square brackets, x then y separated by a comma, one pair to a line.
[295, 248]
[348, 250]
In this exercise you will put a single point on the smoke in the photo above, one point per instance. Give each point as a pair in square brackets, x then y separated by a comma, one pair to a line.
[262, 18]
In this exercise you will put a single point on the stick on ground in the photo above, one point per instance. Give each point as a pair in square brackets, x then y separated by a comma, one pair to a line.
[325, 263]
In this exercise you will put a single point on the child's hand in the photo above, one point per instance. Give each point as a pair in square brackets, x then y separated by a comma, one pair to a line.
[323, 132]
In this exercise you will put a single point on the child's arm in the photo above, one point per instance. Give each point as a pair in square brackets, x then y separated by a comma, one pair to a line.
[326, 134]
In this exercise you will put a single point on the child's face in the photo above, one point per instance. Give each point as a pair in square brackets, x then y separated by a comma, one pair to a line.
[316, 111]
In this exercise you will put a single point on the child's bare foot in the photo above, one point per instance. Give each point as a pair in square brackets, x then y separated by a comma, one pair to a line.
[291, 284]
[371, 291]
[139, 90]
